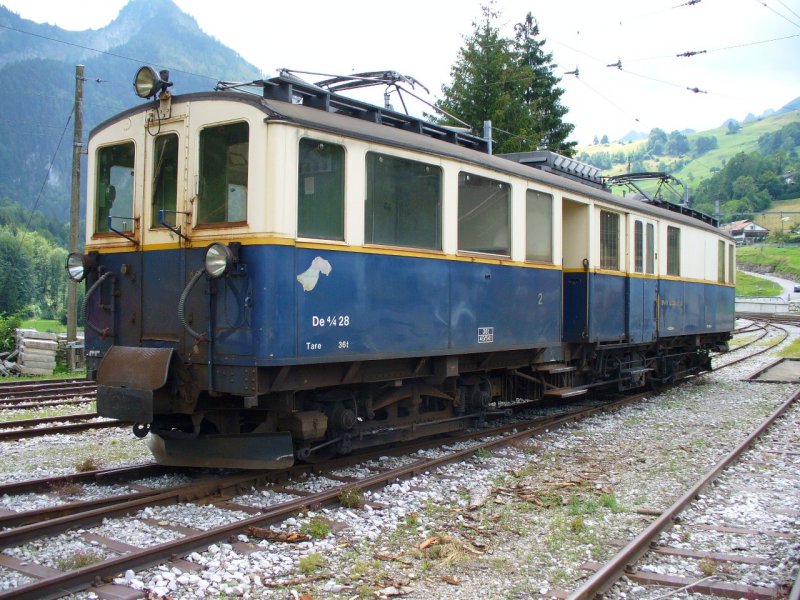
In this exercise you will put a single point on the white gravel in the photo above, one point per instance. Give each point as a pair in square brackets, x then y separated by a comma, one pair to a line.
[514, 523]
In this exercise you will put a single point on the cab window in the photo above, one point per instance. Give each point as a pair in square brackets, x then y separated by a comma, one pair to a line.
[404, 203]
[222, 194]
[114, 188]
[320, 190]
[165, 179]
[483, 215]
[539, 226]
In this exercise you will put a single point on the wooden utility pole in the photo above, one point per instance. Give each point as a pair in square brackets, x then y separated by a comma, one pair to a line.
[74, 216]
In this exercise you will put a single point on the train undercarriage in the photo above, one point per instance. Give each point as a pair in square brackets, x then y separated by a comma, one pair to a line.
[284, 414]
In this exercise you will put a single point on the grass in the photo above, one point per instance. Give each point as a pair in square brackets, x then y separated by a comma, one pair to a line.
[750, 286]
[45, 325]
[77, 560]
[316, 528]
[784, 260]
[792, 350]
[351, 497]
[311, 563]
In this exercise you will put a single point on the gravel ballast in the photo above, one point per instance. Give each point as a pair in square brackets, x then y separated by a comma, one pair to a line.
[517, 522]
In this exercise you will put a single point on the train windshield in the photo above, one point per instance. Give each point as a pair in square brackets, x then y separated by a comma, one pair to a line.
[222, 197]
[165, 179]
[114, 189]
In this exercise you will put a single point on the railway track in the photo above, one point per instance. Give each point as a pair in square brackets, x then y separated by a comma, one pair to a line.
[218, 491]
[708, 575]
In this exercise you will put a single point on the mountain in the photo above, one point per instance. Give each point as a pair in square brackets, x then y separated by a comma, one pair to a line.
[37, 76]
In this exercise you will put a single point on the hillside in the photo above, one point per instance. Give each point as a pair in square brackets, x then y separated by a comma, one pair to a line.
[37, 75]
[686, 167]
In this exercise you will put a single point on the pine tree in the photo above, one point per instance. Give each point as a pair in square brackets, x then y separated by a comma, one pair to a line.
[511, 83]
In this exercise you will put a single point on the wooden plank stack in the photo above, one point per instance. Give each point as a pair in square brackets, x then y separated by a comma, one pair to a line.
[37, 352]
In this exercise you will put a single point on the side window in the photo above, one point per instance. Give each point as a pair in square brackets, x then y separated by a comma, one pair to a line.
[673, 251]
[165, 179]
[650, 266]
[609, 240]
[320, 190]
[731, 262]
[114, 188]
[404, 203]
[638, 247]
[483, 215]
[721, 261]
[222, 197]
[539, 226]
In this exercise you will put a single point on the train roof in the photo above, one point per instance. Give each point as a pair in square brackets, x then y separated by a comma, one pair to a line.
[290, 99]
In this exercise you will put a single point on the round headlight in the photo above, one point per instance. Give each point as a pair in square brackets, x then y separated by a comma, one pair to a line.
[146, 82]
[76, 268]
[218, 261]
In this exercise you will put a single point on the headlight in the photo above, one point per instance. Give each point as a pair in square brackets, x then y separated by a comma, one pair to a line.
[77, 265]
[148, 83]
[219, 260]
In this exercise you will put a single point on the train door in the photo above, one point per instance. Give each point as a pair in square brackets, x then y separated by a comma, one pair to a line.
[643, 282]
[575, 261]
[163, 226]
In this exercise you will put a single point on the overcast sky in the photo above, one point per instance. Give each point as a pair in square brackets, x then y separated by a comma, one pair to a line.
[751, 64]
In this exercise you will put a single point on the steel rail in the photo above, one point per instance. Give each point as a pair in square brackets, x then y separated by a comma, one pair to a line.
[19, 434]
[614, 569]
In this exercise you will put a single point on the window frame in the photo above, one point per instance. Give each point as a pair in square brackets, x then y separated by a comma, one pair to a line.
[609, 240]
[372, 157]
[673, 251]
[200, 181]
[154, 222]
[343, 189]
[537, 196]
[504, 185]
[106, 230]
[638, 246]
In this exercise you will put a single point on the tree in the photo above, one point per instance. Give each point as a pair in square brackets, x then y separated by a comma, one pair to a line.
[677, 143]
[511, 83]
[704, 143]
[604, 139]
[657, 141]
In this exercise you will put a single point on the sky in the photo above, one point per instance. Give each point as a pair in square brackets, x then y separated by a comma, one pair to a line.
[751, 62]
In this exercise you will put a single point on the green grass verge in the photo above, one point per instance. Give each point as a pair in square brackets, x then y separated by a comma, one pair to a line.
[750, 286]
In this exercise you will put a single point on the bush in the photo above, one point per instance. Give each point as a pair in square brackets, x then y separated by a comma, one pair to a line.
[8, 332]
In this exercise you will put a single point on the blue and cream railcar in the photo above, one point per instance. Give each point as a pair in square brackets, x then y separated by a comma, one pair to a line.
[293, 272]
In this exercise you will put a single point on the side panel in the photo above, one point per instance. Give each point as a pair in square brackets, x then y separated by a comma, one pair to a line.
[576, 299]
[636, 309]
[359, 303]
[694, 307]
[608, 304]
[642, 309]
[375, 306]
[495, 307]
[671, 308]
